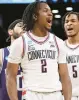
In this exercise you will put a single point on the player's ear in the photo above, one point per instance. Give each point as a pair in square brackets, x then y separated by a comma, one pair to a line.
[34, 17]
[10, 32]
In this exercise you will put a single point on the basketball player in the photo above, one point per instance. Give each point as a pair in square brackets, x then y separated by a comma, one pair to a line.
[44, 58]
[71, 26]
[15, 30]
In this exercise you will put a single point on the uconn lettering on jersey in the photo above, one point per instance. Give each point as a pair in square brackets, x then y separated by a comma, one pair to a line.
[37, 54]
[72, 59]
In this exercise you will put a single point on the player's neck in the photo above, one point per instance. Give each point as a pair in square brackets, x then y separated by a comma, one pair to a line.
[73, 40]
[39, 32]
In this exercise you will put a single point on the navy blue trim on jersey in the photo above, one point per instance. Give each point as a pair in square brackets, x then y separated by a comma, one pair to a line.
[71, 47]
[39, 42]
[56, 44]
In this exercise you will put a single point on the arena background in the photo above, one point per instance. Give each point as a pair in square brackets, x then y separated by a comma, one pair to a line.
[11, 10]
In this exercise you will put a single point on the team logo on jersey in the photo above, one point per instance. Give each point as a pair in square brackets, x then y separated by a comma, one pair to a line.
[6, 58]
[29, 42]
[51, 44]
[31, 47]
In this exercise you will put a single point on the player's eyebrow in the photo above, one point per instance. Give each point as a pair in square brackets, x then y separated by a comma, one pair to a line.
[71, 19]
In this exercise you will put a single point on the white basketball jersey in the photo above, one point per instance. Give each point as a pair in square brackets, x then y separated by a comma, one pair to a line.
[40, 67]
[73, 66]
[40, 62]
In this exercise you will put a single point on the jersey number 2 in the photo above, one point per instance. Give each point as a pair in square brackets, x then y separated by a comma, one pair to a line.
[43, 67]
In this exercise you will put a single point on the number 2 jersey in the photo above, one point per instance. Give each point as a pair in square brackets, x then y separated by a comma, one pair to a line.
[3, 77]
[40, 62]
[73, 66]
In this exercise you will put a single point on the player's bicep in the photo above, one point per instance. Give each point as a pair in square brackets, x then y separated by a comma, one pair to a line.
[12, 70]
[62, 54]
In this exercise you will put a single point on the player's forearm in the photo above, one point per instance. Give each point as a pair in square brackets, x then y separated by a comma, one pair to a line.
[67, 89]
[11, 88]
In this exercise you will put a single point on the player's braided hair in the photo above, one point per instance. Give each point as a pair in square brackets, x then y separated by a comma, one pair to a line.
[68, 14]
[31, 10]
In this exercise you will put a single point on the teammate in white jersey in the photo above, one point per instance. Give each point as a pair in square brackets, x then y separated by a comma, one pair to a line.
[43, 61]
[71, 26]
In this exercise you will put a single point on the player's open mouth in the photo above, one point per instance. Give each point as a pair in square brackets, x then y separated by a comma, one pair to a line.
[69, 29]
[49, 21]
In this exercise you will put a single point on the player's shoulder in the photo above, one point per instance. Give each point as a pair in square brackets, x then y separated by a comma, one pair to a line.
[18, 41]
[57, 39]
[66, 42]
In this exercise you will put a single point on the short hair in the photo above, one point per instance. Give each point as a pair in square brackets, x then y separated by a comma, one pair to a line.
[12, 25]
[68, 14]
[31, 10]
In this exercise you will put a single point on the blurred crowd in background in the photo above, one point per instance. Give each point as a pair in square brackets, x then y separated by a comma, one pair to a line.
[11, 10]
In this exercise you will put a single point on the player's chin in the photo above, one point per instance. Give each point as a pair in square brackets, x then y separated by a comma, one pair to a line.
[71, 35]
[48, 28]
